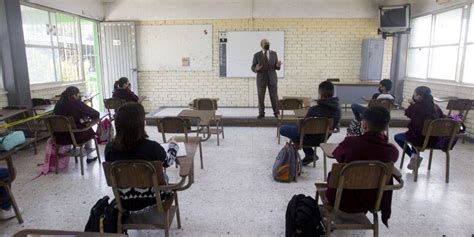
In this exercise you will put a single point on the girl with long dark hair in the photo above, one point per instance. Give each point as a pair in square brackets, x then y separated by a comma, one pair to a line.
[422, 107]
[122, 90]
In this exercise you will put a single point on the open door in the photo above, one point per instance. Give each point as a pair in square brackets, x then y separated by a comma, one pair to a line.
[119, 54]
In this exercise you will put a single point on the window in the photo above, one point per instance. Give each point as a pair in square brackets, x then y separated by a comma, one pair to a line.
[52, 45]
[436, 46]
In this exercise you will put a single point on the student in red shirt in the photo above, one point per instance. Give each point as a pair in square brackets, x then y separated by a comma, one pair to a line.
[372, 145]
[122, 90]
[422, 107]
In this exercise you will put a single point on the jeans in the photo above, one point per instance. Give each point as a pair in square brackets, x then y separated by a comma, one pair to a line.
[291, 132]
[400, 140]
[3, 194]
[358, 110]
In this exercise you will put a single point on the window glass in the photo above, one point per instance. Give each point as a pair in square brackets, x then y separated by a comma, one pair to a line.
[444, 62]
[420, 32]
[447, 29]
[40, 65]
[417, 63]
[37, 29]
[468, 75]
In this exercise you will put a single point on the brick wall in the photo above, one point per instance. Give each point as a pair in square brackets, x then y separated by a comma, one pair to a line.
[315, 49]
[439, 89]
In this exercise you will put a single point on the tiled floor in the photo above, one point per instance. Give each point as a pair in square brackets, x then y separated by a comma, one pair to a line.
[235, 195]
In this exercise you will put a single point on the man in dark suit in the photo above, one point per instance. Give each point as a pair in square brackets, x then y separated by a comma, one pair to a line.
[264, 64]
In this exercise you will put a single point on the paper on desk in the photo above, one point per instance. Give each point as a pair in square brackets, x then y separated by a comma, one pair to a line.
[181, 151]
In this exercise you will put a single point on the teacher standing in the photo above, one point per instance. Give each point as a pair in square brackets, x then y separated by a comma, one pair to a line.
[265, 63]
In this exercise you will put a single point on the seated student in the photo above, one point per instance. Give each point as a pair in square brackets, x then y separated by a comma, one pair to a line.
[422, 107]
[6, 209]
[70, 105]
[327, 106]
[131, 143]
[375, 120]
[122, 90]
[385, 86]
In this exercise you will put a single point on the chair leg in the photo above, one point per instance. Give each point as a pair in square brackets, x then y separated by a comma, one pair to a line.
[447, 166]
[200, 155]
[415, 177]
[57, 159]
[36, 143]
[75, 159]
[222, 127]
[328, 225]
[325, 171]
[431, 158]
[167, 224]
[403, 154]
[178, 216]
[376, 225]
[217, 132]
[14, 205]
[314, 157]
[81, 159]
[97, 150]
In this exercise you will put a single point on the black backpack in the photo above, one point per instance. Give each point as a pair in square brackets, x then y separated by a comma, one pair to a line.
[303, 218]
[103, 217]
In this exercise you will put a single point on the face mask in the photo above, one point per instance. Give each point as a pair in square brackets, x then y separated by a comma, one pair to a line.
[266, 47]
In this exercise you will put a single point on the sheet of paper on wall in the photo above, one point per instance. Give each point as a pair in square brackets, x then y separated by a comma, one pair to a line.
[181, 151]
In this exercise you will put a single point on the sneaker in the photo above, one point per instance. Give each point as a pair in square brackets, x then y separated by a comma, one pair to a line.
[9, 213]
[90, 160]
[411, 165]
[308, 160]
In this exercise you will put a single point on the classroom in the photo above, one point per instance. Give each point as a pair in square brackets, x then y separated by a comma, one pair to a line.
[266, 118]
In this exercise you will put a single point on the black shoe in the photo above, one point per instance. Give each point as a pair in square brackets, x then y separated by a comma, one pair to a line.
[260, 116]
[308, 160]
[276, 115]
[88, 161]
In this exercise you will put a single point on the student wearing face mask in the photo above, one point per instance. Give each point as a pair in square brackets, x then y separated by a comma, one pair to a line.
[422, 107]
[265, 63]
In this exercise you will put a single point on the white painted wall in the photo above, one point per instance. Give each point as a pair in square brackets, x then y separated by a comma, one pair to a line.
[231, 9]
[89, 8]
[420, 7]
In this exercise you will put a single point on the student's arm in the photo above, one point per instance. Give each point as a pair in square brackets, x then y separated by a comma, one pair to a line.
[255, 63]
[278, 63]
[410, 111]
[87, 111]
[168, 157]
[133, 96]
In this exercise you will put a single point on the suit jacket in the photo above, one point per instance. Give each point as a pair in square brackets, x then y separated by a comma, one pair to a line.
[268, 69]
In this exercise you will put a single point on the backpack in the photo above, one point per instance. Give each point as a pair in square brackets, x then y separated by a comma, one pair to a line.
[354, 128]
[50, 157]
[287, 166]
[303, 218]
[103, 217]
[105, 131]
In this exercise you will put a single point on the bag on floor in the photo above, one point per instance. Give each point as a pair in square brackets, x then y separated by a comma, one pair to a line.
[50, 158]
[11, 140]
[103, 217]
[105, 131]
[354, 128]
[303, 218]
[287, 166]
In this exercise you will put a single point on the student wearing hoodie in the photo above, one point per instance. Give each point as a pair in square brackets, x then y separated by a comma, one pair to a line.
[328, 107]
[122, 90]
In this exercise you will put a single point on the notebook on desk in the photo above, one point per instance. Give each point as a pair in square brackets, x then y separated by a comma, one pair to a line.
[181, 151]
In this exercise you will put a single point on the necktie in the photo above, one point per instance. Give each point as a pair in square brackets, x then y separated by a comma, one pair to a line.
[266, 56]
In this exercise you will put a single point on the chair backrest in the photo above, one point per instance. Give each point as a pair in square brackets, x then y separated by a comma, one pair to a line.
[135, 174]
[205, 104]
[360, 175]
[315, 126]
[59, 123]
[387, 104]
[290, 104]
[443, 127]
[174, 125]
[461, 105]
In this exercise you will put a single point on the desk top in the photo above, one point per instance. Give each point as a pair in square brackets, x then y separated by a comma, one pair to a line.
[205, 116]
[328, 148]
[51, 233]
[8, 113]
[444, 98]
[362, 83]
[186, 162]
[300, 113]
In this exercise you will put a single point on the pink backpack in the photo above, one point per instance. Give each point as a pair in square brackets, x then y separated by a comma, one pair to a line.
[105, 131]
[50, 158]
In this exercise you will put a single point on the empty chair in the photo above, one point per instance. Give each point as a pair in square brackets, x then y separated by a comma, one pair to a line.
[315, 126]
[462, 106]
[211, 104]
[444, 128]
[62, 124]
[143, 174]
[177, 125]
[357, 175]
[286, 105]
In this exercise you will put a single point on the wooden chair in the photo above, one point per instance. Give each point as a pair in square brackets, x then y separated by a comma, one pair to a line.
[387, 104]
[113, 104]
[462, 106]
[211, 104]
[143, 174]
[6, 183]
[177, 125]
[58, 123]
[315, 126]
[444, 127]
[357, 175]
[285, 105]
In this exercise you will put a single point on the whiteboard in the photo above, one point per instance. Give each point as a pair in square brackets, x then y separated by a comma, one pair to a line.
[242, 45]
[174, 47]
